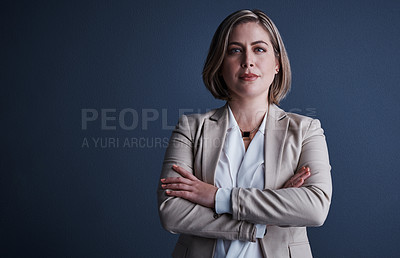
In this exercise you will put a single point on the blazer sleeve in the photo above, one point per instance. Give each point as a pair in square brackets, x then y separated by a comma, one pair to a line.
[304, 206]
[178, 215]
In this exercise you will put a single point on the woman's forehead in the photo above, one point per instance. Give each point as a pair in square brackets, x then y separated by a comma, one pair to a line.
[249, 31]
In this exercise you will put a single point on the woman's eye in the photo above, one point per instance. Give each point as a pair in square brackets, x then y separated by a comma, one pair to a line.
[234, 51]
[259, 49]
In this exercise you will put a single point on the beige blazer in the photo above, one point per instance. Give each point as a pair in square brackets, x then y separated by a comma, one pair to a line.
[291, 141]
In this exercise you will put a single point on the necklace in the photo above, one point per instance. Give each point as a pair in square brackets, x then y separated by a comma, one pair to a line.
[246, 134]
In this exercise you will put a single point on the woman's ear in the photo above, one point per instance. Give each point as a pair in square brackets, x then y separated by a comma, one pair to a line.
[277, 66]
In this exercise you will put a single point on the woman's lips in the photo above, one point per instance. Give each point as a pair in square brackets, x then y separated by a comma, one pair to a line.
[248, 77]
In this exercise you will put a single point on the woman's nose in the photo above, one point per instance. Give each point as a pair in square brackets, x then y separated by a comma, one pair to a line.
[247, 61]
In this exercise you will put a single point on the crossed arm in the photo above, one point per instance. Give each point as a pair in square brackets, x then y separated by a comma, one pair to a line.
[194, 190]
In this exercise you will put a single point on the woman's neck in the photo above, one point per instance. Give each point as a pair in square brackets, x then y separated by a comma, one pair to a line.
[248, 114]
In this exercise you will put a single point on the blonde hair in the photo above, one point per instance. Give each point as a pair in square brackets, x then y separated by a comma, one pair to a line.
[211, 71]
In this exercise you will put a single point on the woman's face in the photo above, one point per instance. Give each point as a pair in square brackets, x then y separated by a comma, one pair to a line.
[249, 66]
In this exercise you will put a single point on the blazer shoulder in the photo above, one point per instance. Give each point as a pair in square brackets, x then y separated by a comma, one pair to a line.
[304, 125]
[296, 120]
[301, 122]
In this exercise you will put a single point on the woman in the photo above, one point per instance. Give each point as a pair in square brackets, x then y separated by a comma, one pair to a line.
[246, 179]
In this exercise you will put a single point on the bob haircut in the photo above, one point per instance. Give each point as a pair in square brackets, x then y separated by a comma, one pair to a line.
[211, 72]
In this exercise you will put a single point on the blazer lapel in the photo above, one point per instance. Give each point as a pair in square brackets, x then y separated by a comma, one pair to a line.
[213, 140]
[275, 135]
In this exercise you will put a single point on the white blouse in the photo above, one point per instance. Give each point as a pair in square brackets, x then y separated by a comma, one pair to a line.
[239, 168]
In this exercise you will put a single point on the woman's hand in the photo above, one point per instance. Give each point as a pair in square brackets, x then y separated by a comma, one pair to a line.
[190, 188]
[298, 179]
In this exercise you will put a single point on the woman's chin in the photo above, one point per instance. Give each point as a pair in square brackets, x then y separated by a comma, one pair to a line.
[251, 95]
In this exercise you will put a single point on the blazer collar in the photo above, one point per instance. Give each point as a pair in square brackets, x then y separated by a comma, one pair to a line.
[275, 112]
[213, 140]
[220, 114]
[275, 137]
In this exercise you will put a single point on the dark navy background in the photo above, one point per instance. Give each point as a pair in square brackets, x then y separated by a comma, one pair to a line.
[60, 198]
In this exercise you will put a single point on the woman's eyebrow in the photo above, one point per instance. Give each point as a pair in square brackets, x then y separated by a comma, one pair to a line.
[235, 43]
[258, 42]
[252, 43]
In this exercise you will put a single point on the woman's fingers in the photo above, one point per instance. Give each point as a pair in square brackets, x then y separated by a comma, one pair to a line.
[186, 178]
[200, 193]
[176, 180]
[298, 183]
[182, 194]
[177, 187]
[301, 173]
[299, 178]
[179, 184]
[183, 172]
[176, 183]
[189, 188]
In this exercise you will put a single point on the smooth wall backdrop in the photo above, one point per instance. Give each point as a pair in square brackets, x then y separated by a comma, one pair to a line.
[90, 92]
